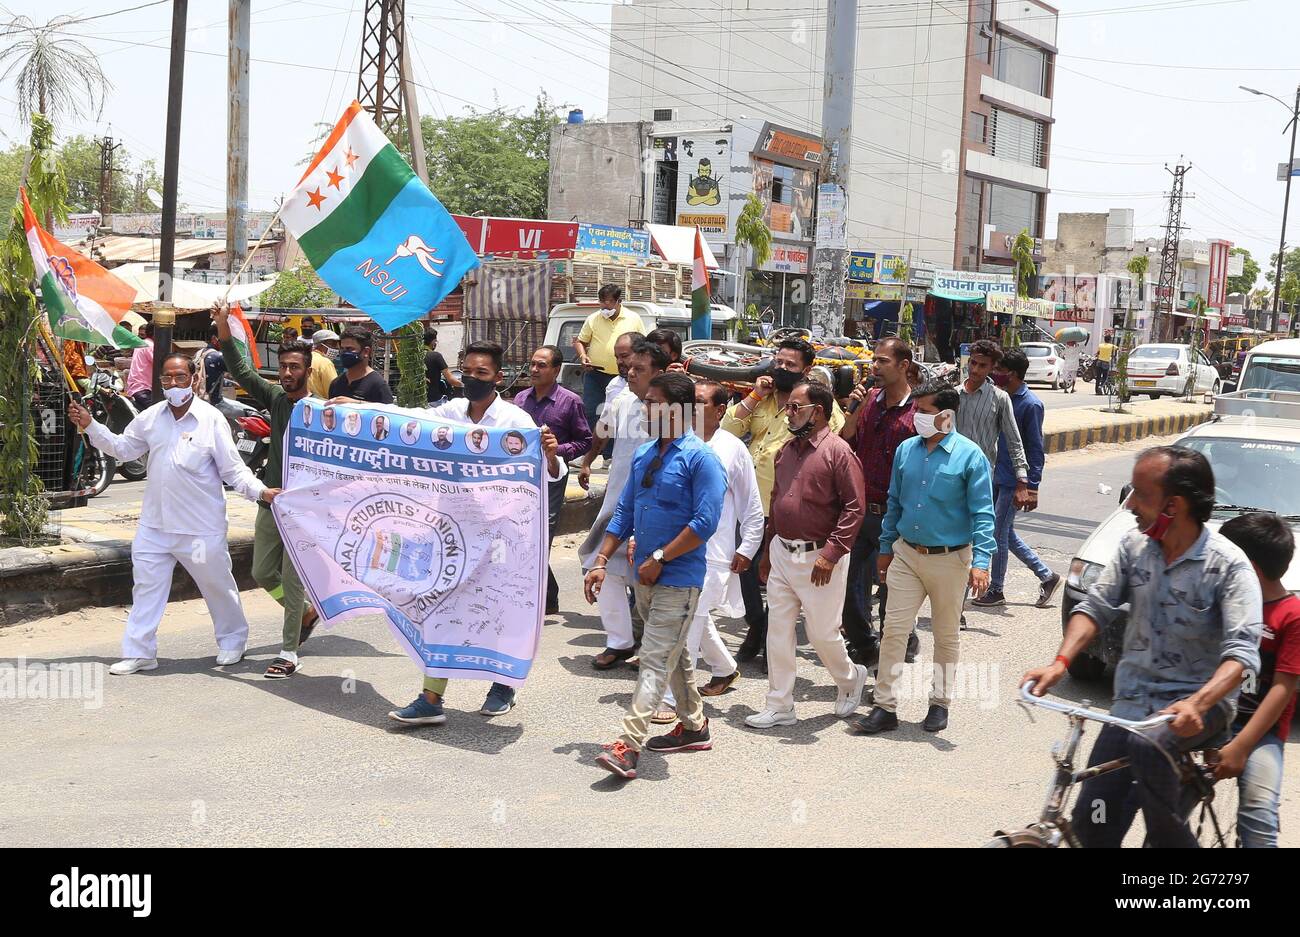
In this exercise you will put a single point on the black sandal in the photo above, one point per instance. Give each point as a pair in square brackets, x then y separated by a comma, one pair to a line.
[280, 668]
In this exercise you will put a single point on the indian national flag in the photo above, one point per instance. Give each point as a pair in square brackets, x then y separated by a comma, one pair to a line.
[83, 300]
[701, 310]
[242, 335]
[372, 229]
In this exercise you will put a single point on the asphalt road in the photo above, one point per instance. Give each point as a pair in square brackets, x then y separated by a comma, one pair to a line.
[193, 755]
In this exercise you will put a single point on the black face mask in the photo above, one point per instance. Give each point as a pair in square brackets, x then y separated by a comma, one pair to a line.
[784, 380]
[349, 359]
[476, 389]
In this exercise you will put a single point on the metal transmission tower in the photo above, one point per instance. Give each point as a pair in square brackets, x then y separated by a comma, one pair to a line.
[384, 86]
[106, 148]
[1166, 300]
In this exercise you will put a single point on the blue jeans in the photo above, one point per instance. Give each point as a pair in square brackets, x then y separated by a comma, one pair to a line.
[1260, 792]
[1004, 532]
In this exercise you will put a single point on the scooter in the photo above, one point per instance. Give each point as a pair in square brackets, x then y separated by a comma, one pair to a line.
[251, 429]
[107, 388]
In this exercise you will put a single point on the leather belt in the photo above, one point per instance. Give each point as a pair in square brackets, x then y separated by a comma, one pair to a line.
[802, 546]
[877, 508]
[935, 551]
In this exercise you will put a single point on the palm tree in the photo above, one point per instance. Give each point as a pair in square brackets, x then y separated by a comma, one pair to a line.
[752, 233]
[1137, 270]
[57, 75]
[1022, 254]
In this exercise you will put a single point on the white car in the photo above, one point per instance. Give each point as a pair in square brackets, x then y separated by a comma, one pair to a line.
[1046, 363]
[1272, 366]
[1161, 370]
[1251, 452]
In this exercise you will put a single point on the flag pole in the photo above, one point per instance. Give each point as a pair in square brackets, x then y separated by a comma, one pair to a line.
[249, 259]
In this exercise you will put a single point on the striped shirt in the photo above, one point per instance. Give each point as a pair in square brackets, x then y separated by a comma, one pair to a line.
[987, 414]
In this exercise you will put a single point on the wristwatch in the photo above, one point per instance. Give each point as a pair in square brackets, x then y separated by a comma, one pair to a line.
[658, 556]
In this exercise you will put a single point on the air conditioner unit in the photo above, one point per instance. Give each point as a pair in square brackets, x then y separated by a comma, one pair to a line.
[665, 113]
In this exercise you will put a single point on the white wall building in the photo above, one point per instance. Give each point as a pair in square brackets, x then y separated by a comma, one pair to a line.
[952, 117]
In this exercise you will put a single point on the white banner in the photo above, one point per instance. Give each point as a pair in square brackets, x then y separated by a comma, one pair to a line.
[439, 526]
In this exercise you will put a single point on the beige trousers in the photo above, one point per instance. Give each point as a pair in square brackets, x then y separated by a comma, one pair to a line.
[912, 578]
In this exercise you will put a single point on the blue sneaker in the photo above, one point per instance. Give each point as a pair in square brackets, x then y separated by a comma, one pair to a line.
[420, 712]
[500, 700]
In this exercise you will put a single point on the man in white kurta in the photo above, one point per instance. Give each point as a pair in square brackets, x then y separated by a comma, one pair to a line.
[183, 518]
[742, 507]
[624, 422]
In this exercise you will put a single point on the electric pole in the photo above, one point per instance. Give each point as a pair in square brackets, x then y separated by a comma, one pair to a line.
[1286, 205]
[106, 148]
[165, 316]
[1168, 280]
[237, 137]
[831, 244]
[379, 84]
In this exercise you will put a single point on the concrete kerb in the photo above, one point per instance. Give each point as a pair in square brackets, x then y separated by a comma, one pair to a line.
[1067, 430]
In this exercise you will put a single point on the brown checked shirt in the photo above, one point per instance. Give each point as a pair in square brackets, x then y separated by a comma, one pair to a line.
[818, 493]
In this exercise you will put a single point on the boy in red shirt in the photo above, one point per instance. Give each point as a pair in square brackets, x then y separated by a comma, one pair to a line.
[1267, 700]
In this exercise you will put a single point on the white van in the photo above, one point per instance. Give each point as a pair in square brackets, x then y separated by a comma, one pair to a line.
[566, 322]
[1272, 366]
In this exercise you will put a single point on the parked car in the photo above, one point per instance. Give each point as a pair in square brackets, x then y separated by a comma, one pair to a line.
[1046, 363]
[1253, 440]
[566, 322]
[1272, 366]
[1161, 370]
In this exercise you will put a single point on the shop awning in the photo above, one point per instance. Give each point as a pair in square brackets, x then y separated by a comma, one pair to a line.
[676, 244]
[958, 296]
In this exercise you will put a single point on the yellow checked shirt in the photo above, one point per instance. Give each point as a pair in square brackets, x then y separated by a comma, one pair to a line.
[599, 334]
[768, 431]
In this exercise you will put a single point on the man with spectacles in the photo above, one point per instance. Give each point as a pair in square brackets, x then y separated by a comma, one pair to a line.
[183, 518]
[817, 501]
[761, 416]
[671, 505]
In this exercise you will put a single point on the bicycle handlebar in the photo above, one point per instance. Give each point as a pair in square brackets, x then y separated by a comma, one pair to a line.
[1071, 710]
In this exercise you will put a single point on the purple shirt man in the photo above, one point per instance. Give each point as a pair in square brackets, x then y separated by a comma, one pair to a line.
[554, 406]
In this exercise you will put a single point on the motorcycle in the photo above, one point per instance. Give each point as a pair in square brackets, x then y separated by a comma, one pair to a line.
[251, 429]
[118, 410]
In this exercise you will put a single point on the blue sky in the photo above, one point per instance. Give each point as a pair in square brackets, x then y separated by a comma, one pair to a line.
[1135, 89]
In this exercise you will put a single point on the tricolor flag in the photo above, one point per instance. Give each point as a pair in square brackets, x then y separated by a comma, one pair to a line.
[372, 229]
[83, 300]
[701, 310]
[242, 335]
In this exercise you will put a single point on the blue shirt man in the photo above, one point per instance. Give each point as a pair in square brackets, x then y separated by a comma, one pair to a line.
[671, 505]
[936, 540]
[1027, 411]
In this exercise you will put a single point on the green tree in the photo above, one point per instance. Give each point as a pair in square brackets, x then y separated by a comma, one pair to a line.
[1137, 269]
[1194, 343]
[54, 74]
[22, 507]
[752, 233]
[78, 157]
[297, 288]
[492, 162]
[1289, 266]
[1249, 273]
[1022, 255]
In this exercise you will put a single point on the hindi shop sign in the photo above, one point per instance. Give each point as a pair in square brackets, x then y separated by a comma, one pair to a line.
[439, 526]
[965, 281]
[787, 259]
[605, 239]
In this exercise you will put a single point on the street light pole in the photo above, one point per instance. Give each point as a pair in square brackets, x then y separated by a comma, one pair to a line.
[1286, 198]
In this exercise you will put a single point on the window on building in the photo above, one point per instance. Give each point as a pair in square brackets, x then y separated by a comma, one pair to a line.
[1020, 64]
[782, 184]
[1013, 210]
[972, 212]
[1019, 139]
[976, 127]
[983, 29]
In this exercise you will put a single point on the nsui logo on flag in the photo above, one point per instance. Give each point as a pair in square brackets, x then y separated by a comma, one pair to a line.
[372, 229]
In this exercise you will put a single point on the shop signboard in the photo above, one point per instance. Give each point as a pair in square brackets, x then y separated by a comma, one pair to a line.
[616, 241]
[966, 281]
[890, 268]
[791, 147]
[862, 267]
[787, 258]
[1005, 304]
[704, 181]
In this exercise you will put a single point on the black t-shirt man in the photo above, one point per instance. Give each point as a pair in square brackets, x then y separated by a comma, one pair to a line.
[372, 388]
[434, 365]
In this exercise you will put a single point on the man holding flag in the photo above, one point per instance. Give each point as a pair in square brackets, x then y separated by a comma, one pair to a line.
[272, 567]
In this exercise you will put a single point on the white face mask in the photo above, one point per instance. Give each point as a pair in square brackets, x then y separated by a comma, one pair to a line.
[927, 424]
[178, 396]
[609, 313]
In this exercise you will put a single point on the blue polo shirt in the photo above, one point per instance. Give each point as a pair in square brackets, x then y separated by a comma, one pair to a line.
[1028, 411]
[687, 490]
[942, 498]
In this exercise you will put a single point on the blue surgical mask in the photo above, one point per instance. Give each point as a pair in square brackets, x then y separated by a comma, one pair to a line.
[349, 359]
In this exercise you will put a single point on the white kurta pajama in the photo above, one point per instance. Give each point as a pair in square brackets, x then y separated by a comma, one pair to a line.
[741, 506]
[183, 518]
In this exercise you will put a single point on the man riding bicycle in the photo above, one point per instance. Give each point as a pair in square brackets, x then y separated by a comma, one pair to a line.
[1194, 628]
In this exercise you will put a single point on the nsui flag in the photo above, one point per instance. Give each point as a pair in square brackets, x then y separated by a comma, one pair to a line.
[373, 230]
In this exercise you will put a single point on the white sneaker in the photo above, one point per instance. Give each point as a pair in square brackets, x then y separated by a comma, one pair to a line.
[851, 699]
[133, 665]
[226, 658]
[768, 719]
